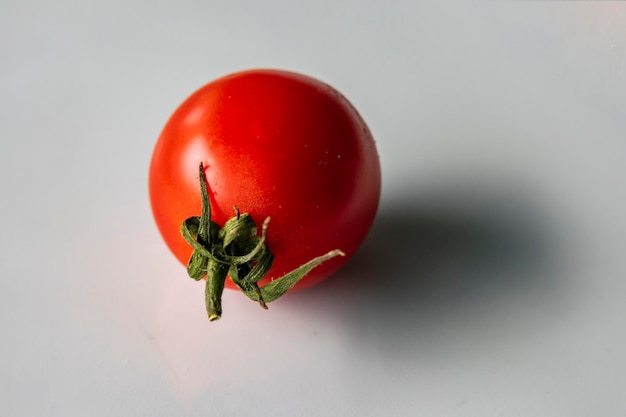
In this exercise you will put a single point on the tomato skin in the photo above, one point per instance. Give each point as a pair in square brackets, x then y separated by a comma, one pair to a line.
[274, 143]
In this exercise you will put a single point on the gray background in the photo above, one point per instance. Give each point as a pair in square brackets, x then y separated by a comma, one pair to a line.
[492, 283]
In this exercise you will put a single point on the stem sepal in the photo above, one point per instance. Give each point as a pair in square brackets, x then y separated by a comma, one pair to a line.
[237, 252]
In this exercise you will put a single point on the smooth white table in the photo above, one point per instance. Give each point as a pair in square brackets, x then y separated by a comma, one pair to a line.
[492, 283]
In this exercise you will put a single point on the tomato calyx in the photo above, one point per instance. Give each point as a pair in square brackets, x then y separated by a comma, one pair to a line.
[238, 252]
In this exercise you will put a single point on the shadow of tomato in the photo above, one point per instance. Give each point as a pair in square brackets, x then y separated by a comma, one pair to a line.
[442, 264]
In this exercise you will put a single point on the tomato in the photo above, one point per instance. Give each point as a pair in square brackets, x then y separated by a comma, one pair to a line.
[274, 144]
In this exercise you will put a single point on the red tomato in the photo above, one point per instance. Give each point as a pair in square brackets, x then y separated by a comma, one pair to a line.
[277, 144]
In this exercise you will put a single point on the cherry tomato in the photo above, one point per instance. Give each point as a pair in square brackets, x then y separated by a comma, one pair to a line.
[274, 144]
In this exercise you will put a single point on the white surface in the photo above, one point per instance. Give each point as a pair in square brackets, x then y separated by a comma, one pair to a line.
[491, 285]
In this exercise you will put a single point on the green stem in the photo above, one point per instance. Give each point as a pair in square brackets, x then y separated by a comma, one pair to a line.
[237, 248]
[216, 276]
[204, 229]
